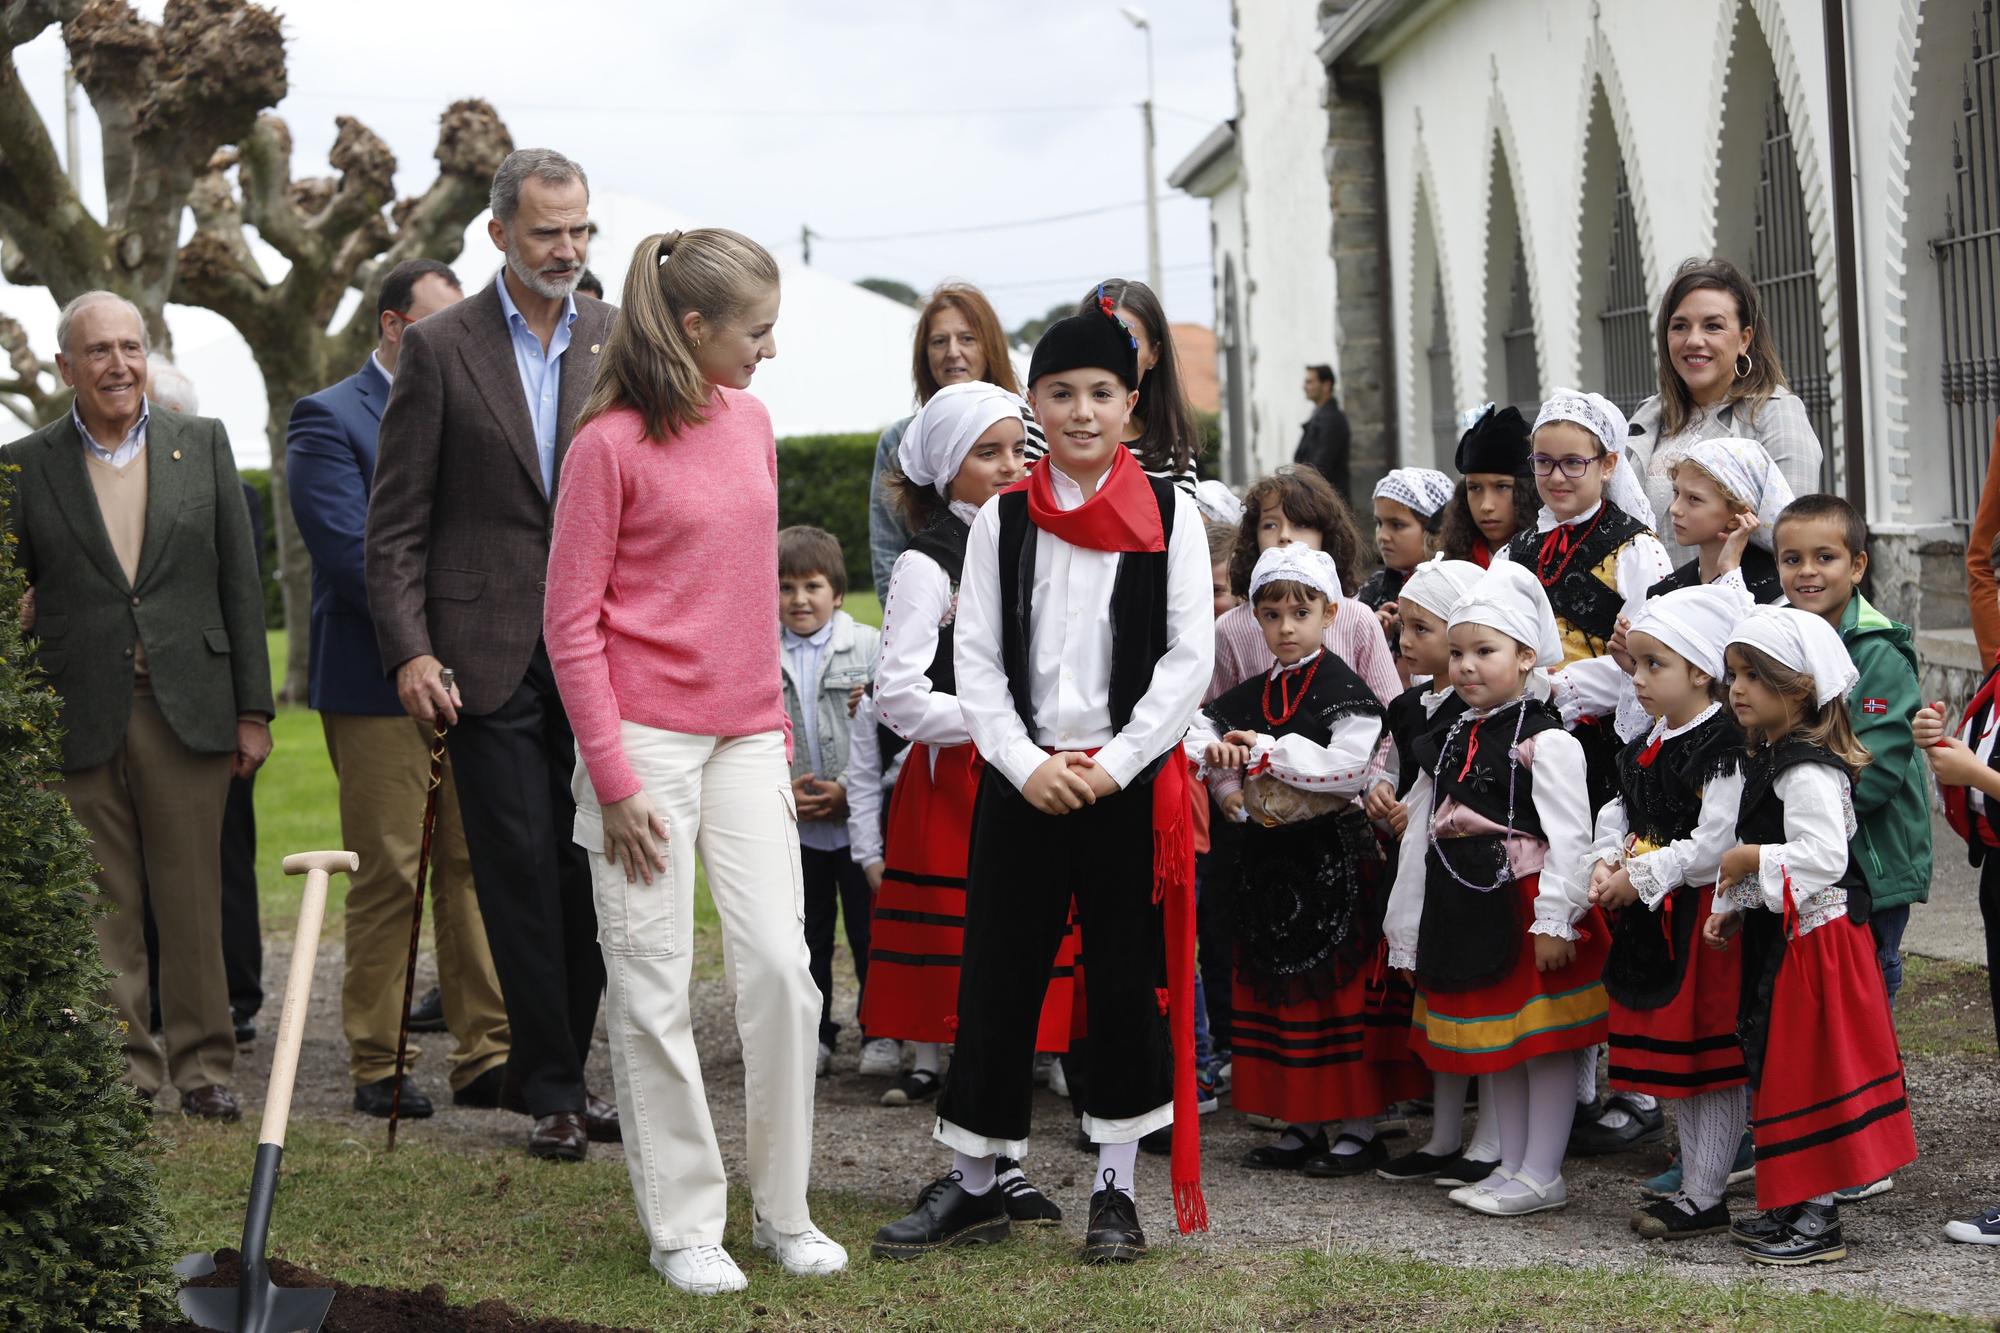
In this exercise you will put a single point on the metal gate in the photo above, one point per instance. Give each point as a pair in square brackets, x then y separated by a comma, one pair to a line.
[1524, 375]
[1781, 264]
[1444, 408]
[1968, 265]
[1630, 371]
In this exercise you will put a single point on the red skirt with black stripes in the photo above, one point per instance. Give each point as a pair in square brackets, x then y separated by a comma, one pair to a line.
[917, 928]
[1337, 1056]
[1687, 1045]
[1830, 1110]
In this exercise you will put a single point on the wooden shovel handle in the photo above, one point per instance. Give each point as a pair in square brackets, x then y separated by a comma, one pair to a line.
[316, 867]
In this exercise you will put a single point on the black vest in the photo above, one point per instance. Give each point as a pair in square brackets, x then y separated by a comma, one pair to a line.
[1584, 602]
[1336, 692]
[943, 541]
[1482, 786]
[1407, 721]
[1762, 819]
[1385, 585]
[1760, 575]
[1138, 609]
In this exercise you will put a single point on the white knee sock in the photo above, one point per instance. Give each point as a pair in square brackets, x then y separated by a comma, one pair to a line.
[1345, 1142]
[975, 1174]
[1711, 1127]
[929, 1057]
[1485, 1145]
[1586, 1074]
[1115, 1165]
[1550, 1085]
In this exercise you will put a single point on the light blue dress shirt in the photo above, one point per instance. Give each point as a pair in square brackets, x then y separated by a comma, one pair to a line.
[808, 659]
[126, 449]
[541, 375]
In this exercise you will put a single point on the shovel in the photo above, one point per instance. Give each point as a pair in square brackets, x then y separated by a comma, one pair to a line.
[257, 1305]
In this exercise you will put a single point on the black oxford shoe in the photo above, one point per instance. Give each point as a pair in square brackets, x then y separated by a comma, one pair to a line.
[945, 1216]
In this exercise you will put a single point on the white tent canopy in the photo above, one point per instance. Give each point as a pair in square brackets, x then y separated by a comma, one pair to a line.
[843, 359]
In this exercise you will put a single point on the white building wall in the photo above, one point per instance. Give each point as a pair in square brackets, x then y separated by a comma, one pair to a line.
[1233, 338]
[1287, 217]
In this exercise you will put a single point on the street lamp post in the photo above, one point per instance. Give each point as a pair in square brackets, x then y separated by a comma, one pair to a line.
[1137, 19]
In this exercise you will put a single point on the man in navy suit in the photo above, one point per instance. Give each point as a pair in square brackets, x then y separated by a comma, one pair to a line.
[381, 755]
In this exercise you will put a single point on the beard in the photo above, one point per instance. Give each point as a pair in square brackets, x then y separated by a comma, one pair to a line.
[547, 287]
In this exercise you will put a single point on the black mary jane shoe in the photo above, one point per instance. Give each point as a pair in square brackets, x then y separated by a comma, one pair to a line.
[1591, 1137]
[1331, 1165]
[945, 1215]
[1812, 1237]
[1114, 1236]
[1417, 1165]
[1678, 1219]
[1277, 1157]
[1458, 1170]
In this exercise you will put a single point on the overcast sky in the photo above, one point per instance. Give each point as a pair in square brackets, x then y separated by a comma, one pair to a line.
[865, 119]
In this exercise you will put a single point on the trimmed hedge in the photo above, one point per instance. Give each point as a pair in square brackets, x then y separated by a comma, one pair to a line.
[823, 481]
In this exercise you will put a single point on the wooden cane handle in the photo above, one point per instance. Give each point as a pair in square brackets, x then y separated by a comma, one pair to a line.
[316, 867]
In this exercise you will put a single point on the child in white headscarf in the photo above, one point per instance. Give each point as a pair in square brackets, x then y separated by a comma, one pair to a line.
[1409, 509]
[1828, 1108]
[1653, 867]
[1495, 921]
[1288, 754]
[1727, 498]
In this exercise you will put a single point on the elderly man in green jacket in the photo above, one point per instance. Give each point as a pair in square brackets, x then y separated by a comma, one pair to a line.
[149, 623]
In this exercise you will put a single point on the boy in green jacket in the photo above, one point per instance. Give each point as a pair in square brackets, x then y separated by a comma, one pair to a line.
[1822, 555]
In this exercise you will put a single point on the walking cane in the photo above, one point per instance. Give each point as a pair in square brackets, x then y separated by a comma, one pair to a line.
[438, 729]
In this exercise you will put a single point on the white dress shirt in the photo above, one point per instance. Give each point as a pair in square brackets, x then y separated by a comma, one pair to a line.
[1069, 648]
[1343, 766]
[1693, 859]
[1819, 820]
[920, 603]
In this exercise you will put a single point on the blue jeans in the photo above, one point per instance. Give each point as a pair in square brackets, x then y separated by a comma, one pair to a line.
[1888, 925]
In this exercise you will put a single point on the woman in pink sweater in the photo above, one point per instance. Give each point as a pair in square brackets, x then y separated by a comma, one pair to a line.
[659, 619]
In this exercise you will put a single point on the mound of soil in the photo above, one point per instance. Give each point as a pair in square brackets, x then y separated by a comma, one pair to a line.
[386, 1310]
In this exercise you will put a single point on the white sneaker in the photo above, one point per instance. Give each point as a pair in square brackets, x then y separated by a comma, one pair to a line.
[824, 1064]
[700, 1270]
[1058, 1080]
[808, 1253]
[1523, 1195]
[881, 1057]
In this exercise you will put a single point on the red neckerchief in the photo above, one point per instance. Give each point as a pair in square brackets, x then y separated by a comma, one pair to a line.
[1121, 515]
[1652, 751]
[1559, 543]
[1482, 554]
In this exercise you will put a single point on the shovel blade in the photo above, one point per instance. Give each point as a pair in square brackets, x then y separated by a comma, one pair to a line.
[285, 1309]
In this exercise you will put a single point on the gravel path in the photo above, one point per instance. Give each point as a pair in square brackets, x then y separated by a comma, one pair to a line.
[1899, 1253]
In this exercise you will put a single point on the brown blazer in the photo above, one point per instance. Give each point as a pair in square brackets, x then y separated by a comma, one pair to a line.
[458, 527]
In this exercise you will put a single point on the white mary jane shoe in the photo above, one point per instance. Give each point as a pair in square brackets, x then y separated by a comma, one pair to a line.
[808, 1253]
[1534, 1197]
[1464, 1194]
[700, 1270]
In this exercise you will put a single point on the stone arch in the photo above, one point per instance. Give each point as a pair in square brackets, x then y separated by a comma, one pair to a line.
[1430, 378]
[1617, 282]
[1512, 362]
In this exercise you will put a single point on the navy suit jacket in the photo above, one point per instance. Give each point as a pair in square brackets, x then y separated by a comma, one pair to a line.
[330, 467]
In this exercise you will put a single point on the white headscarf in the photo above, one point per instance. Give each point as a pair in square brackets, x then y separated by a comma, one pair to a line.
[1695, 622]
[1745, 471]
[1601, 417]
[1298, 564]
[1439, 585]
[1421, 490]
[944, 430]
[1804, 642]
[1508, 597]
[1217, 503]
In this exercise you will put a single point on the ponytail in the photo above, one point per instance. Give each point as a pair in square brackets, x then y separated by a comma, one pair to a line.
[648, 363]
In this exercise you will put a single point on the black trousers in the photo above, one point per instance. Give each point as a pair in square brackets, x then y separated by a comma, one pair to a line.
[835, 887]
[1023, 868]
[1989, 912]
[242, 943]
[512, 767]
[1215, 923]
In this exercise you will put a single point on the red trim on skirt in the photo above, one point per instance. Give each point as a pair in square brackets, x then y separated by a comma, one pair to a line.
[1687, 1045]
[917, 929]
[1831, 1110]
[1524, 1014]
[1324, 1058]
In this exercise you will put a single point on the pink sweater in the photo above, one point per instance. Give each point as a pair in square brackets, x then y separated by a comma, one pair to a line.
[663, 583]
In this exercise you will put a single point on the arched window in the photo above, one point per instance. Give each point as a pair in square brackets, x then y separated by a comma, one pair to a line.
[1630, 375]
[1968, 267]
[1524, 373]
[1444, 409]
[1513, 363]
[1781, 263]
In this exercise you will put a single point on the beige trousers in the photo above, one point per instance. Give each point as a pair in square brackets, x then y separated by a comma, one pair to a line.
[154, 814]
[383, 766]
[728, 800]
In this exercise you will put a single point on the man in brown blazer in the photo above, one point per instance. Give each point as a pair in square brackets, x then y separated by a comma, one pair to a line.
[470, 455]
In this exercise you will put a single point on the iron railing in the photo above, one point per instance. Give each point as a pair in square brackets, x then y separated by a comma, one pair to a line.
[1781, 264]
[1524, 374]
[1968, 265]
[1630, 372]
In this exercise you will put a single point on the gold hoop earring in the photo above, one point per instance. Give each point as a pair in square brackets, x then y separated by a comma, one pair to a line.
[1744, 365]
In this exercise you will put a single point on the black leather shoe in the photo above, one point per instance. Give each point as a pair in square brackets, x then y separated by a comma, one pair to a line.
[1593, 1138]
[1114, 1236]
[1678, 1219]
[1331, 1165]
[1413, 1166]
[427, 1012]
[245, 1025]
[1811, 1237]
[1274, 1157]
[374, 1099]
[559, 1137]
[1762, 1228]
[600, 1120]
[1458, 1169]
[945, 1216]
[483, 1092]
[211, 1103]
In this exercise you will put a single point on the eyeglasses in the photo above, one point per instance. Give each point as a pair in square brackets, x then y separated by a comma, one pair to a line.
[1572, 466]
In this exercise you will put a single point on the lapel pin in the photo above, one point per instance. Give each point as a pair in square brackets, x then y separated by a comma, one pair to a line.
[177, 455]
[593, 349]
